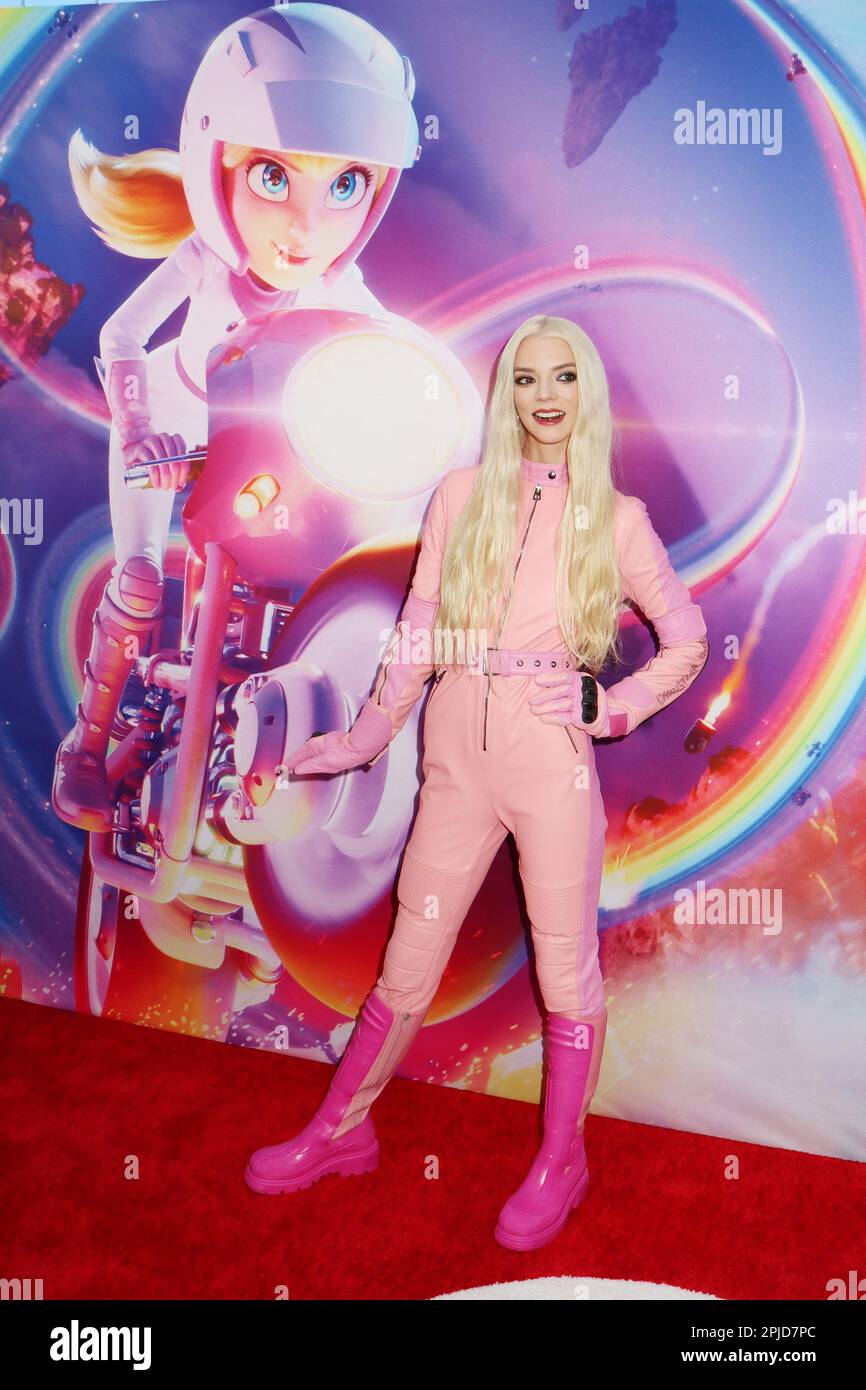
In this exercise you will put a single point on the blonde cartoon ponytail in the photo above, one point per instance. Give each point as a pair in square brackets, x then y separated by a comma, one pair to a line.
[136, 201]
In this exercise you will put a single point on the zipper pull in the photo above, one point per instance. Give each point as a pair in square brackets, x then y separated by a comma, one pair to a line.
[536, 494]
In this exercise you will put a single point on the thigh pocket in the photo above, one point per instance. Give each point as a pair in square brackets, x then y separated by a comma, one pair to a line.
[427, 727]
[578, 740]
[443, 675]
[582, 753]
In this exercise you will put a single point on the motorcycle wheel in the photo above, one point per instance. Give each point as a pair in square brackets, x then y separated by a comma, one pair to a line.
[118, 972]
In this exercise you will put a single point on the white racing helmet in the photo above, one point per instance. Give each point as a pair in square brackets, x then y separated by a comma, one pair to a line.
[306, 77]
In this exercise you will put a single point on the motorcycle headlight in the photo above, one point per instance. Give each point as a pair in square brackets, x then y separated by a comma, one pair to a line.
[375, 416]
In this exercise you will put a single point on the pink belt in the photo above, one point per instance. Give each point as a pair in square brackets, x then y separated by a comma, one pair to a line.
[496, 661]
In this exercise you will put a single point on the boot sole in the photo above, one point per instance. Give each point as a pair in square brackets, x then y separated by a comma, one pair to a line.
[349, 1165]
[91, 821]
[535, 1239]
[81, 820]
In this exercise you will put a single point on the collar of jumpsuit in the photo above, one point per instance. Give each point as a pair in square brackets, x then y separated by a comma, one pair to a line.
[545, 474]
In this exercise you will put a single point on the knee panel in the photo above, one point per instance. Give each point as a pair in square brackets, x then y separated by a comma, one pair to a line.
[433, 905]
[139, 586]
[430, 892]
[565, 938]
[560, 911]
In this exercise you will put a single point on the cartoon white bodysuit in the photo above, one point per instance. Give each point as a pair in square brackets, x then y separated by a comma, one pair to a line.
[295, 131]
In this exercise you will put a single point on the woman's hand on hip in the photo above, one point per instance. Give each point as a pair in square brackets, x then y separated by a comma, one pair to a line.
[573, 698]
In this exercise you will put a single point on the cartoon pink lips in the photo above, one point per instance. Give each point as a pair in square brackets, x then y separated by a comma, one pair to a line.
[286, 257]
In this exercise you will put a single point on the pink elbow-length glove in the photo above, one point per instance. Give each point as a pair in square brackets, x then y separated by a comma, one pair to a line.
[405, 667]
[125, 386]
[122, 364]
[578, 699]
[651, 582]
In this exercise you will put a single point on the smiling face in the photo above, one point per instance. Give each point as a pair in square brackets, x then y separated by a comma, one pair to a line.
[545, 396]
[296, 215]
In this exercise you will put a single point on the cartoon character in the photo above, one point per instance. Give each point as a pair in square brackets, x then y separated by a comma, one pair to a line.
[63, 19]
[296, 128]
[797, 68]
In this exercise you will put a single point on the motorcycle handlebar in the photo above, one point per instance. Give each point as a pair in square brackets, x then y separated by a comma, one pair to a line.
[138, 476]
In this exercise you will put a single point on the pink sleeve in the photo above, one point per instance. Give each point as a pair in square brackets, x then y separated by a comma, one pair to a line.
[408, 660]
[125, 334]
[650, 580]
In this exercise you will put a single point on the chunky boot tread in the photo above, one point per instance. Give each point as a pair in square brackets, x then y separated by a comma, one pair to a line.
[532, 1240]
[350, 1155]
[333, 1168]
[79, 791]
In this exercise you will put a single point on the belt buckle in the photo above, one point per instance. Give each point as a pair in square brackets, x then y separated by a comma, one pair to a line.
[485, 667]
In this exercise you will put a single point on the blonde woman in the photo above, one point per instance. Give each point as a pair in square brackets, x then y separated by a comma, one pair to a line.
[295, 131]
[537, 547]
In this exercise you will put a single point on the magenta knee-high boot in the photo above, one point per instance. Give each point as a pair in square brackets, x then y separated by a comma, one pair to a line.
[340, 1137]
[558, 1177]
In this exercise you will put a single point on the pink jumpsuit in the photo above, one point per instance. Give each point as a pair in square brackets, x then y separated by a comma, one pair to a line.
[492, 766]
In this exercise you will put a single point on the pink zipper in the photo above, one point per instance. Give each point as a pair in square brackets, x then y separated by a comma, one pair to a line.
[391, 1049]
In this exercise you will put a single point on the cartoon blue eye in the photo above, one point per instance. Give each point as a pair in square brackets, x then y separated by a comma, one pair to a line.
[268, 180]
[348, 188]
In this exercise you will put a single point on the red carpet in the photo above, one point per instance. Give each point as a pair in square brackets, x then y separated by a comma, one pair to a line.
[82, 1099]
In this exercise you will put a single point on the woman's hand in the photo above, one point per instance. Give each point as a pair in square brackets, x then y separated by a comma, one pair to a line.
[369, 736]
[574, 698]
[324, 753]
[160, 446]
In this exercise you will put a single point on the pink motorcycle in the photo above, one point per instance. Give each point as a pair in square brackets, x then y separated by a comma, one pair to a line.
[327, 431]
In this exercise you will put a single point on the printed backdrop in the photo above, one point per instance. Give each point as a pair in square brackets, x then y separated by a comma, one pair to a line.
[585, 161]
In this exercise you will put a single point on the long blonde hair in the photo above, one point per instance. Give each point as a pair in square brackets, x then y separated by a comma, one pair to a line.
[136, 201]
[478, 564]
